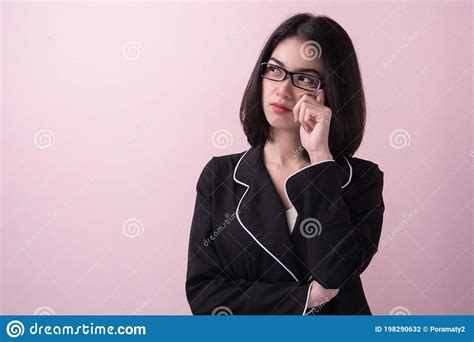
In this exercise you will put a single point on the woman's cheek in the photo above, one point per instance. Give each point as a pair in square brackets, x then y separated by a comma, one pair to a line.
[265, 91]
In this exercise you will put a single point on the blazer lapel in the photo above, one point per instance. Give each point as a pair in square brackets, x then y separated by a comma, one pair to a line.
[261, 212]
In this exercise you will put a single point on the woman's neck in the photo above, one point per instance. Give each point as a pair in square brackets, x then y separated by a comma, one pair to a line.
[285, 149]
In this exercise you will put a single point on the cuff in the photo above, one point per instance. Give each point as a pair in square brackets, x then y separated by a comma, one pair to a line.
[327, 176]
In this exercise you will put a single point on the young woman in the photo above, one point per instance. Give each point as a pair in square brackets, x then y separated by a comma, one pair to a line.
[288, 226]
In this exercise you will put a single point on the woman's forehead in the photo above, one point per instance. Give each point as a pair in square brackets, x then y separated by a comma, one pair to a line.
[295, 54]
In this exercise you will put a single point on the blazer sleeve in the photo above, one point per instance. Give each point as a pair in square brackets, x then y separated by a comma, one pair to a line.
[341, 239]
[211, 289]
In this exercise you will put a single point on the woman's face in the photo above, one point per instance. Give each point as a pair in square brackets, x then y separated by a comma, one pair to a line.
[293, 54]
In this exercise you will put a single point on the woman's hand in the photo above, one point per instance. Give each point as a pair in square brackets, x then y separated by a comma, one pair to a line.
[314, 118]
[320, 295]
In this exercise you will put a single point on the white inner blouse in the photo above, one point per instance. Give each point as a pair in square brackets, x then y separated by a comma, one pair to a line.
[291, 217]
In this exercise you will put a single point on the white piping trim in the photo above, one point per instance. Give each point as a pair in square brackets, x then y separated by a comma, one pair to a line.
[308, 166]
[307, 301]
[238, 218]
[350, 174]
[284, 187]
[314, 307]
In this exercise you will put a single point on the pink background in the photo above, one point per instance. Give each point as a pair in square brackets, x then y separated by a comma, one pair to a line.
[110, 112]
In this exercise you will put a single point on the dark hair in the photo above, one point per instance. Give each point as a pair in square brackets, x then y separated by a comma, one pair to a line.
[342, 84]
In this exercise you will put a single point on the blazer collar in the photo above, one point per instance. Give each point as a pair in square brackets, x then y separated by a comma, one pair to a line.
[261, 212]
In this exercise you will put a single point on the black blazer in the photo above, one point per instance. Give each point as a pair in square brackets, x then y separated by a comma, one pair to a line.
[242, 258]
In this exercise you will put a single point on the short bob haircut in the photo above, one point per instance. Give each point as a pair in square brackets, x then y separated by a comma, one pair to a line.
[342, 84]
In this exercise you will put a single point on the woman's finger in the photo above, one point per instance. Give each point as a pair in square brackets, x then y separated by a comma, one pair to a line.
[296, 108]
[308, 119]
[315, 98]
[320, 97]
[301, 119]
[305, 97]
[302, 103]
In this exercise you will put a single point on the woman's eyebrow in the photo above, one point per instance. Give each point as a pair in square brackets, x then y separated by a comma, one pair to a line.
[297, 70]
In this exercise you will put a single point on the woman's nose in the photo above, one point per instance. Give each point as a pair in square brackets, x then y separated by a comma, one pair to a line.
[284, 88]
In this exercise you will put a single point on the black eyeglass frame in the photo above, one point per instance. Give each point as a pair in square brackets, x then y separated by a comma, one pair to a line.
[289, 73]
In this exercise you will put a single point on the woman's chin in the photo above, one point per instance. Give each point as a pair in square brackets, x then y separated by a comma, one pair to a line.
[284, 125]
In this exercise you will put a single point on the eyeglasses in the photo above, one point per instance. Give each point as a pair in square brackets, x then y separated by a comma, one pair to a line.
[299, 80]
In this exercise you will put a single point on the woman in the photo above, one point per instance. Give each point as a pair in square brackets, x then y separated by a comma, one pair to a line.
[288, 226]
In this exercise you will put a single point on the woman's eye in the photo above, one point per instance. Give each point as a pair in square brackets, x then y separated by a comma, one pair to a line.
[306, 79]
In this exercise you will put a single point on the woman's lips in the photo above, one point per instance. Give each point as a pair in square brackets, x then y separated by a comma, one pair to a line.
[278, 108]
